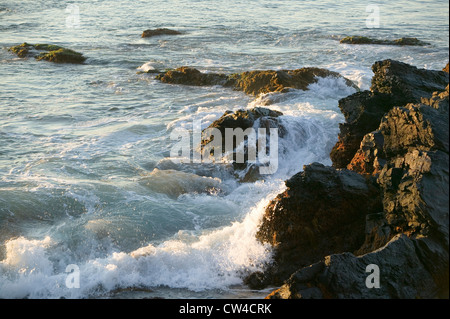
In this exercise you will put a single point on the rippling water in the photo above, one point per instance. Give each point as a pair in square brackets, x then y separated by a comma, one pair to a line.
[84, 175]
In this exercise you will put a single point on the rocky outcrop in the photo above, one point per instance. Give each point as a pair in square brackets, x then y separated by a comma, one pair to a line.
[366, 40]
[48, 52]
[402, 275]
[323, 211]
[393, 84]
[256, 118]
[157, 32]
[386, 213]
[419, 127]
[252, 82]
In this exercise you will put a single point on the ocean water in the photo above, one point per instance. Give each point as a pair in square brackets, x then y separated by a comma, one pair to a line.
[86, 182]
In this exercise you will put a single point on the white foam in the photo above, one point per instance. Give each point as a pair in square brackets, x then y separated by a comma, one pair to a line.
[214, 260]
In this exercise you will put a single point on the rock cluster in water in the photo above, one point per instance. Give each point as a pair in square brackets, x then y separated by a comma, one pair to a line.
[48, 52]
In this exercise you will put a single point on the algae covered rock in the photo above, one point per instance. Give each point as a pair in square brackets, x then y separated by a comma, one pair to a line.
[252, 82]
[190, 76]
[367, 40]
[48, 52]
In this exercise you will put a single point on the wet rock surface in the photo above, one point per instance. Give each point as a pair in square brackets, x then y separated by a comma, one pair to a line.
[393, 84]
[367, 40]
[252, 82]
[256, 118]
[388, 208]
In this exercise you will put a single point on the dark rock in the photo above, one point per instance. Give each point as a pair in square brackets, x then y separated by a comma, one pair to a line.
[406, 83]
[252, 82]
[363, 112]
[416, 126]
[323, 211]
[366, 40]
[393, 84]
[243, 119]
[158, 32]
[406, 236]
[48, 52]
[403, 274]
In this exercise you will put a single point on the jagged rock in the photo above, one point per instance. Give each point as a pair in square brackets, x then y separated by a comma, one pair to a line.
[159, 31]
[323, 211]
[417, 126]
[407, 238]
[366, 40]
[403, 273]
[48, 52]
[446, 69]
[363, 112]
[252, 82]
[406, 83]
[257, 117]
[393, 84]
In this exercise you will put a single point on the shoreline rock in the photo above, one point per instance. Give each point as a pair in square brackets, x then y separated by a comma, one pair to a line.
[256, 118]
[48, 52]
[388, 208]
[366, 40]
[393, 84]
[323, 211]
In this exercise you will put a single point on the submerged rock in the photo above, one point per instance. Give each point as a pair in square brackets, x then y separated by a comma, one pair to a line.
[366, 40]
[48, 52]
[159, 31]
[393, 84]
[252, 82]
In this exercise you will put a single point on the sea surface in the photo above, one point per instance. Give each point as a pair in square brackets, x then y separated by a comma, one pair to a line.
[91, 205]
